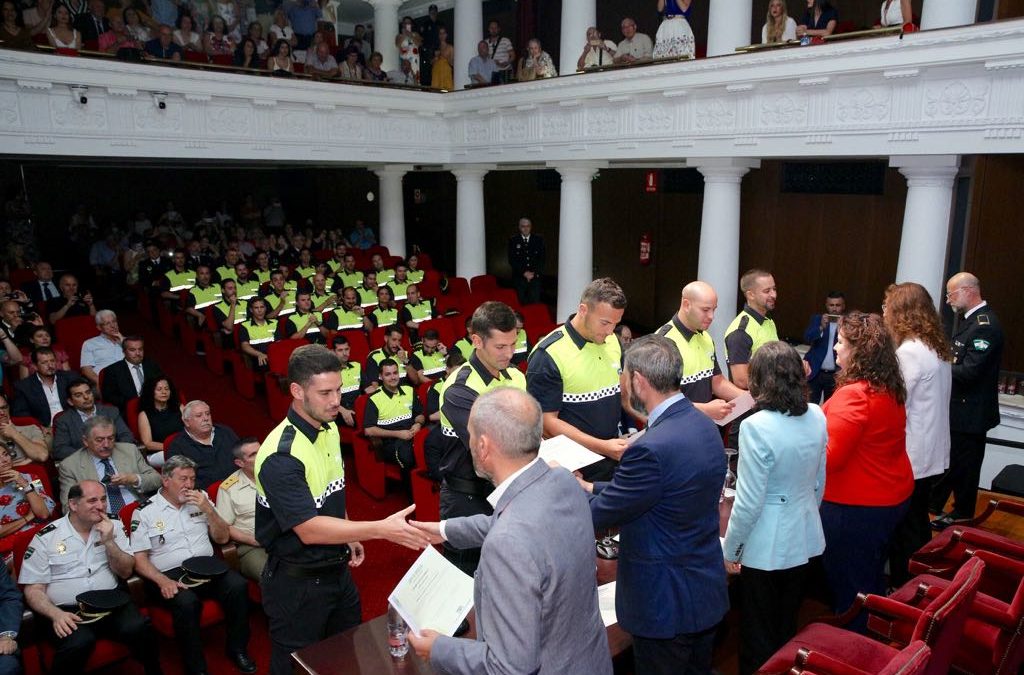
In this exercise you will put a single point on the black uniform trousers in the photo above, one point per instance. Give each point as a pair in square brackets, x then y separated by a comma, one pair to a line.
[457, 505]
[528, 291]
[966, 455]
[302, 610]
[230, 590]
[684, 654]
[125, 625]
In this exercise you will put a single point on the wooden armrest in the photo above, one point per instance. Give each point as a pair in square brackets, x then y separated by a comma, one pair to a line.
[1005, 505]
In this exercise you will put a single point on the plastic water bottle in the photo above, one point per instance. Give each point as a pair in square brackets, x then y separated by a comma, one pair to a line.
[397, 643]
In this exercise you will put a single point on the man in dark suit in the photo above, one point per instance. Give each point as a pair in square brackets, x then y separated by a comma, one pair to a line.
[974, 405]
[44, 394]
[672, 588]
[42, 288]
[122, 381]
[526, 258]
[93, 23]
[821, 335]
[69, 427]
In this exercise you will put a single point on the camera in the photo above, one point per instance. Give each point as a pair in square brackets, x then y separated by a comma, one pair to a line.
[160, 99]
[79, 91]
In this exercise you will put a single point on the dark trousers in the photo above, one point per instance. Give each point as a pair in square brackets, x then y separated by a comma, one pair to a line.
[771, 599]
[125, 625]
[395, 451]
[304, 610]
[913, 532]
[684, 654]
[10, 664]
[456, 505]
[528, 291]
[966, 454]
[186, 608]
[856, 543]
[822, 384]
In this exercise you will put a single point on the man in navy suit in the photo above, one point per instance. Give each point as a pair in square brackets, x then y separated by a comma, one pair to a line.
[821, 335]
[672, 589]
[44, 394]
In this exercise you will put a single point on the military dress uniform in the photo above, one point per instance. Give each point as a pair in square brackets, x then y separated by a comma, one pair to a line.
[973, 408]
[236, 504]
[68, 565]
[172, 535]
[526, 254]
[579, 380]
[308, 592]
[393, 411]
[463, 493]
[700, 365]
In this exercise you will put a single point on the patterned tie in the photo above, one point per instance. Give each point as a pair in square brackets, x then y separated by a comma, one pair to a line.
[115, 501]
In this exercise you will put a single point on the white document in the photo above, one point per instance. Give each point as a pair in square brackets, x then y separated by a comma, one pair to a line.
[740, 405]
[433, 594]
[606, 603]
[567, 452]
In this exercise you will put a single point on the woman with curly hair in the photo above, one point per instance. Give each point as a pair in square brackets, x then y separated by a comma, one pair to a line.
[925, 357]
[868, 477]
[775, 528]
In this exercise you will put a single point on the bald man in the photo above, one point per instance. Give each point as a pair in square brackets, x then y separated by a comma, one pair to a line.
[701, 379]
[974, 405]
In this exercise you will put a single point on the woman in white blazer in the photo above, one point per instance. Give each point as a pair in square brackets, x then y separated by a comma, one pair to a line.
[925, 356]
[775, 528]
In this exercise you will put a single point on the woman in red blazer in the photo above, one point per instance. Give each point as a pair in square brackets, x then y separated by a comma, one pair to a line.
[868, 477]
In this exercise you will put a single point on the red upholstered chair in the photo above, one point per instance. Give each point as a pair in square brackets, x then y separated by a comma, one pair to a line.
[371, 473]
[214, 352]
[536, 313]
[71, 333]
[425, 263]
[276, 377]
[458, 286]
[378, 249]
[19, 277]
[131, 415]
[426, 494]
[912, 660]
[992, 640]
[245, 379]
[940, 624]
[483, 283]
[359, 347]
[42, 473]
[447, 304]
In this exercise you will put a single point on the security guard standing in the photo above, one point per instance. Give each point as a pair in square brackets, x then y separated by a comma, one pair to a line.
[701, 380]
[463, 493]
[526, 258]
[974, 402]
[86, 550]
[574, 373]
[301, 520]
[394, 415]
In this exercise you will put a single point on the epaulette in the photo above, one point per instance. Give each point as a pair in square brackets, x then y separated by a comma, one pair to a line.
[229, 481]
[663, 331]
[46, 530]
[145, 503]
[983, 320]
[551, 339]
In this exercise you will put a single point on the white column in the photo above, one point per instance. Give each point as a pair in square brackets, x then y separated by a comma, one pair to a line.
[926, 220]
[719, 254]
[385, 28]
[577, 16]
[392, 208]
[469, 30]
[728, 26]
[575, 235]
[947, 13]
[470, 226]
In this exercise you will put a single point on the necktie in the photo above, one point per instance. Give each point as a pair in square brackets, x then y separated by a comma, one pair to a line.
[114, 499]
[138, 378]
[46, 291]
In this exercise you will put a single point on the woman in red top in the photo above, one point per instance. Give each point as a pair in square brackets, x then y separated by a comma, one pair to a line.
[868, 477]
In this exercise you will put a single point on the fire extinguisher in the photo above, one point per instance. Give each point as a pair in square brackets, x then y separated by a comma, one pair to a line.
[645, 249]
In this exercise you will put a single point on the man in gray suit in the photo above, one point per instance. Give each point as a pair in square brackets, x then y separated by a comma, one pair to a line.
[536, 591]
[69, 425]
[119, 466]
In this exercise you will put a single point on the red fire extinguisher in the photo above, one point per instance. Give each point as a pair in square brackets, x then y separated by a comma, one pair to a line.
[645, 248]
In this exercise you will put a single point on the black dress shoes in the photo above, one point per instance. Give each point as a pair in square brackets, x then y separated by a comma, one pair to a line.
[243, 662]
[945, 520]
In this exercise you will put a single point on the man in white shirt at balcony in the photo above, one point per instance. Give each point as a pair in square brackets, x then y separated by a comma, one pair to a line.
[635, 46]
[502, 51]
[482, 66]
[597, 52]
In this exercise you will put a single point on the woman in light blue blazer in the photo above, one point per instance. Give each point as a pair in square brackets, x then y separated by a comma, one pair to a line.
[775, 529]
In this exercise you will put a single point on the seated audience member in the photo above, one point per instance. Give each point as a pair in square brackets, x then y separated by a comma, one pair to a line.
[348, 275]
[522, 350]
[368, 290]
[384, 274]
[280, 299]
[896, 13]
[320, 64]
[23, 503]
[783, 447]
[236, 505]
[634, 46]
[226, 270]
[123, 380]
[44, 394]
[159, 417]
[185, 37]
[434, 446]
[323, 299]
[133, 24]
[351, 381]
[256, 333]
[246, 284]
[392, 349]
[281, 28]
[93, 23]
[393, 417]
[206, 444]
[10, 354]
[819, 20]
[360, 40]
[255, 31]
[482, 67]
[399, 281]
[597, 52]
[464, 345]
[280, 59]
[7, 292]
[61, 34]
[104, 349]
[14, 326]
[85, 550]
[778, 27]
[304, 322]
[204, 294]
[16, 35]
[174, 525]
[415, 311]
[69, 303]
[426, 364]
[403, 74]
[217, 42]
[229, 311]
[348, 315]
[304, 267]
[373, 71]
[42, 288]
[118, 466]
[412, 268]
[246, 54]
[350, 68]
[41, 337]
[362, 236]
[537, 63]
[69, 426]
[386, 311]
[23, 444]
[117, 40]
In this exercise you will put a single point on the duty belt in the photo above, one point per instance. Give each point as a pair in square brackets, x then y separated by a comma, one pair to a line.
[328, 569]
[477, 487]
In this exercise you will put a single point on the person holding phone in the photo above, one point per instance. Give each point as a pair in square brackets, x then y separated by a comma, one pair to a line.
[597, 52]
[821, 335]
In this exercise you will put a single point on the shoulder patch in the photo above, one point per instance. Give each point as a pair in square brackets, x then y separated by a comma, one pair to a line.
[29, 551]
[551, 339]
[229, 481]
[46, 530]
[983, 320]
[981, 345]
[284, 444]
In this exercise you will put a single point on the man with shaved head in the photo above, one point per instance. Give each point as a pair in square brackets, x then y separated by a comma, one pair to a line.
[701, 379]
[974, 406]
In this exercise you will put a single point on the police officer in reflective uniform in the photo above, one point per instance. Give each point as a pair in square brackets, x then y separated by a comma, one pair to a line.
[301, 519]
[974, 405]
[86, 550]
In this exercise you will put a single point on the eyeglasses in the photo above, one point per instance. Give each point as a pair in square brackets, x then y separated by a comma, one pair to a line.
[950, 294]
